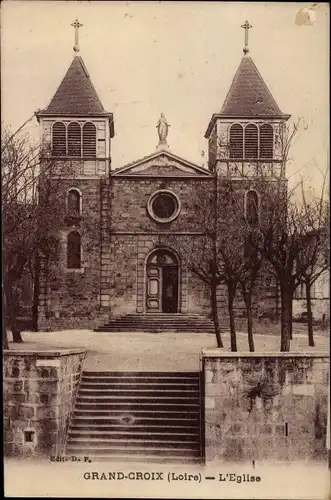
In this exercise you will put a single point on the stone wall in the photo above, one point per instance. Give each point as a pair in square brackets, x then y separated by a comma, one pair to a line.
[71, 297]
[265, 407]
[39, 394]
[130, 197]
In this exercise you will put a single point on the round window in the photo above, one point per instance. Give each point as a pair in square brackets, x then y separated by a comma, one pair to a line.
[163, 206]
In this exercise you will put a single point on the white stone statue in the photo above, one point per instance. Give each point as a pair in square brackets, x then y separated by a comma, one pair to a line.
[162, 129]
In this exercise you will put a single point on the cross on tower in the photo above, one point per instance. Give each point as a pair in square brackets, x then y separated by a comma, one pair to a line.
[76, 25]
[246, 27]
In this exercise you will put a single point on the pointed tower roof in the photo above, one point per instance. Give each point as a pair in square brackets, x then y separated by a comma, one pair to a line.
[248, 97]
[76, 94]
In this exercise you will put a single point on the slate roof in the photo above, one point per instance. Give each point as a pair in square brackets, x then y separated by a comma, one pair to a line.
[76, 94]
[249, 95]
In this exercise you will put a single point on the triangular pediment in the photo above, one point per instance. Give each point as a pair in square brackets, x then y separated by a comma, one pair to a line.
[163, 164]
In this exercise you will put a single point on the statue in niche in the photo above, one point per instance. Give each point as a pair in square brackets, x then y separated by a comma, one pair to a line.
[162, 129]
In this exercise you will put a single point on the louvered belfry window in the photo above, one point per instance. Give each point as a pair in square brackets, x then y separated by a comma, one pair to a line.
[266, 141]
[252, 207]
[74, 250]
[74, 202]
[236, 141]
[74, 139]
[89, 139]
[251, 142]
[59, 139]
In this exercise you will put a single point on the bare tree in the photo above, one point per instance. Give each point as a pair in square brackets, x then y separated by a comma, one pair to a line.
[199, 252]
[30, 223]
[313, 261]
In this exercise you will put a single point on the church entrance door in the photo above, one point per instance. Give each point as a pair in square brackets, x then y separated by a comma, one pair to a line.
[162, 282]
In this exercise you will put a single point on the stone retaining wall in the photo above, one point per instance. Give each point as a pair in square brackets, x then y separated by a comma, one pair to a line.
[39, 394]
[265, 406]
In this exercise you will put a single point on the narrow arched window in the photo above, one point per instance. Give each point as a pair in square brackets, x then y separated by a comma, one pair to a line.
[74, 250]
[252, 207]
[236, 141]
[266, 141]
[251, 142]
[74, 139]
[74, 202]
[89, 139]
[59, 139]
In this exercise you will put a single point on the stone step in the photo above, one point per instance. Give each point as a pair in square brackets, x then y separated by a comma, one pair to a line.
[146, 398]
[114, 421]
[92, 451]
[107, 386]
[142, 375]
[129, 434]
[134, 406]
[87, 426]
[137, 413]
[146, 329]
[130, 443]
[137, 416]
[159, 322]
[87, 394]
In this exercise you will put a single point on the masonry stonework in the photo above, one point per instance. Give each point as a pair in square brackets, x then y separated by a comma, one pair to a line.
[39, 395]
[265, 406]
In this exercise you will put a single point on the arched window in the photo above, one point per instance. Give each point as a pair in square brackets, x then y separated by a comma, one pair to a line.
[266, 141]
[59, 139]
[252, 207]
[74, 250]
[89, 139]
[251, 142]
[74, 202]
[74, 139]
[236, 141]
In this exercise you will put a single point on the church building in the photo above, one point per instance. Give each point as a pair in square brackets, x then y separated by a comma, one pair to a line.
[117, 260]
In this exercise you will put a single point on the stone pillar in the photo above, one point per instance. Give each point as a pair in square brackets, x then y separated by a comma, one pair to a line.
[105, 245]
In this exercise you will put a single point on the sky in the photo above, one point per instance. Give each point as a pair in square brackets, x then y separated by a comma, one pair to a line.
[178, 58]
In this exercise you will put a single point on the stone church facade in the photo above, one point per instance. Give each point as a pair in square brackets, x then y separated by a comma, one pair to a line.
[117, 253]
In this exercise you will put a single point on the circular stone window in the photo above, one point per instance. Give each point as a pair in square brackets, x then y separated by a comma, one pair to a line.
[163, 206]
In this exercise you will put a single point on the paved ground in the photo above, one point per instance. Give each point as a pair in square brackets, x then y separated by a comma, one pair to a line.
[152, 351]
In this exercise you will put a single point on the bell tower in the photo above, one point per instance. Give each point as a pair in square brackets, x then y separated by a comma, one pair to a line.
[76, 133]
[246, 137]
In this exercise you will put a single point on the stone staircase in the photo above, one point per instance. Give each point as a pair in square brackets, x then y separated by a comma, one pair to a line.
[141, 417]
[158, 322]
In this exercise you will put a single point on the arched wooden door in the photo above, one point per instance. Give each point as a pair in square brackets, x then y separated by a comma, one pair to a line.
[162, 282]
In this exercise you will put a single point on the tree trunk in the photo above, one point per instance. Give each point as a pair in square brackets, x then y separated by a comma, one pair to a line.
[214, 311]
[286, 299]
[231, 296]
[309, 315]
[5, 339]
[291, 319]
[277, 300]
[4, 322]
[35, 295]
[13, 308]
[248, 305]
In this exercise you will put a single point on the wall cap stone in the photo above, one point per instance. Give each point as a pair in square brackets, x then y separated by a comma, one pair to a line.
[45, 354]
[217, 353]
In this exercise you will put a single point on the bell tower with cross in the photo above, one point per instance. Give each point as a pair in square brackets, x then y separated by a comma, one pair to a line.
[76, 131]
[245, 136]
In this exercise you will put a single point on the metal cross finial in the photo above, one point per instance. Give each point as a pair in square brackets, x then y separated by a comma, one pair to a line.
[76, 25]
[246, 27]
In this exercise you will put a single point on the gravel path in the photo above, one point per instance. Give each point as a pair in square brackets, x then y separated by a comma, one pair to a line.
[152, 351]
